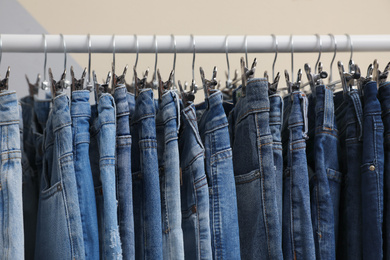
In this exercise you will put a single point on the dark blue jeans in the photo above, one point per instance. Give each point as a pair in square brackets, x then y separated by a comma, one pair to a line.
[254, 170]
[194, 191]
[349, 118]
[124, 184]
[81, 113]
[59, 228]
[298, 241]
[372, 174]
[213, 129]
[146, 186]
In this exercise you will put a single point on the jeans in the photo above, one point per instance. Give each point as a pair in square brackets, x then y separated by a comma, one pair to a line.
[254, 170]
[384, 98]
[167, 127]
[349, 118]
[214, 132]
[372, 174]
[146, 186]
[298, 241]
[59, 228]
[194, 190]
[80, 114]
[324, 175]
[123, 173]
[275, 125]
[11, 204]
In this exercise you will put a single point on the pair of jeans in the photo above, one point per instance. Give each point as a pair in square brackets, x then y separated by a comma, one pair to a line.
[11, 204]
[146, 186]
[167, 127]
[372, 174]
[254, 170]
[80, 114]
[194, 191]
[275, 126]
[384, 98]
[214, 132]
[298, 241]
[123, 172]
[324, 172]
[59, 228]
[102, 159]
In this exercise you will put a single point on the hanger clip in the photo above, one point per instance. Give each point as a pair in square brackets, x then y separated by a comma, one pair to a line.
[293, 86]
[187, 97]
[78, 84]
[33, 88]
[164, 86]
[349, 79]
[272, 87]
[208, 85]
[247, 73]
[4, 82]
[56, 87]
[118, 80]
[313, 78]
[140, 83]
[378, 76]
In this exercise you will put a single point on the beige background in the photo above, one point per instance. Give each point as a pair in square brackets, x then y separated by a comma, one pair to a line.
[281, 17]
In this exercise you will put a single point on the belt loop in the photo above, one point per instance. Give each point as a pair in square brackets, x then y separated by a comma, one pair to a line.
[328, 109]
[358, 110]
[304, 106]
[176, 98]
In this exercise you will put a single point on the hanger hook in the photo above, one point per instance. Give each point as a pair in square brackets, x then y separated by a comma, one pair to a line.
[156, 56]
[227, 57]
[193, 58]
[246, 49]
[45, 51]
[113, 52]
[276, 43]
[350, 45]
[174, 59]
[137, 48]
[89, 57]
[1, 48]
[319, 41]
[65, 53]
[292, 57]
[334, 55]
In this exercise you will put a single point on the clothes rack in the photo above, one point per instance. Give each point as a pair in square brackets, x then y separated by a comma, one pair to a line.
[34, 43]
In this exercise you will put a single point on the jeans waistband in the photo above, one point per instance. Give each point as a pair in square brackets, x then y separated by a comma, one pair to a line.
[103, 114]
[80, 104]
[145, 106]
[9, 112]
[325, 104]
[120, 96]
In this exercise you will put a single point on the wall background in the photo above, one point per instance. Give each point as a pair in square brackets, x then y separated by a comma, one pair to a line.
[281, 17]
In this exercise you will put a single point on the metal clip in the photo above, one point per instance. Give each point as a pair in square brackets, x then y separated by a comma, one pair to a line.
[348, 80]
[293, 86]
[4, 82]
[187, 97]
[164, 86]
[56, 87]
[78, 84]
[247, 73]
[313, 78]
[272, 87]
[33, 89]
[140, 83]
[208, 84]
[118, 80]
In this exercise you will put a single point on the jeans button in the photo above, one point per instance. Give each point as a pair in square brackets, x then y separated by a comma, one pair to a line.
[372, 168]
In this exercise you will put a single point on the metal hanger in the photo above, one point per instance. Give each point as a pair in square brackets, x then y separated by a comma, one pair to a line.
[164, 86]
[208, 85]
[193, 87]
[65, 83]
[77, 84]
[154, 83]
[330, 83]
[101, 88]
[33, 88]
[131, 87]
[189, 96]
[90, 84]
[273, 87]
[246, 50]
[291, 85]
[229, 84]
[174, 87]
[348, 78]
[56, 86]
[116, 80]
[247, 73]
[45, 83]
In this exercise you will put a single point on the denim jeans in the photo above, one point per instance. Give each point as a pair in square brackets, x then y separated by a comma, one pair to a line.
[214, 132]
[275, 125]
[146, 186]
[80, 114]
[59, 228]
[384, 98]
[11, 204]
[194, 190]
[372, 174]
[298, 241]
[167, 127]
[123, 173]
[324, 174]
[102, 158]
[254, 170]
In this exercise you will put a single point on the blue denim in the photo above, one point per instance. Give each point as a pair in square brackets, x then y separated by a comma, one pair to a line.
[372, 174]
[146, 186]
[80, 114]
[298, 241]
[102, 157]
[275, 125]
[59, 228]
[123, 173]
[214, 132]
[384, 98]
[167, 127]
[349, 118]
[324, 175]
[11, 204]
[254, 170]
[194, 190]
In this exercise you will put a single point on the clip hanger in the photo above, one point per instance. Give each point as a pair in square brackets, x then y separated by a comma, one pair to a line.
[293, 86]
[164, 86]
[247, 73]
[140, 83]
[315, 79]
[272, 87]
[78, 84]
[208, 85]
[187, 97]
[118, 80]
[33, 89]
[56, 86]
[348, 79]
[4, 82]
[378, 76]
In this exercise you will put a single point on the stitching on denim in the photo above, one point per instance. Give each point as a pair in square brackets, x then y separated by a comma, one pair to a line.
[323, 132]
[217, 127]
[261, 145]
[197, 188]
[299, 148]
[193, 160]
[248, 112]
[296, 124]
[201, 179]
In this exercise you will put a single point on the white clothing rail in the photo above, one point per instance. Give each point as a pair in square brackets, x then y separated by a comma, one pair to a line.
[34, 43]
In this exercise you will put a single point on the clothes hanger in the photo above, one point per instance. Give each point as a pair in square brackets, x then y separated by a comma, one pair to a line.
[138, 82]
[116, 80]
[131, 87]
[378, 76]
[173, 72]
[65, 83]
[3, 82]
[77, 84]
[164, 86]
[101, 88]
[154, 83]
[291, 85]
[45, 83]
[247, 74]
[273, 87]
[56, 86]
[208, 85]
[33, 89]
[332, 84]
[189, 97]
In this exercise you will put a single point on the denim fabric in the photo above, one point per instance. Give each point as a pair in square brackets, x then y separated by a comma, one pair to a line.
[11, 204]
[214, 132]
[254, 170]
[102, 157]
[324, 175]
[298, 241]
[349, 118]
[275, 125]
[81, 113]
[123, 173]
[59, 228]
[194, 190]
[167, 126]
[384, 98]
[146, 186]
[372, 174]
